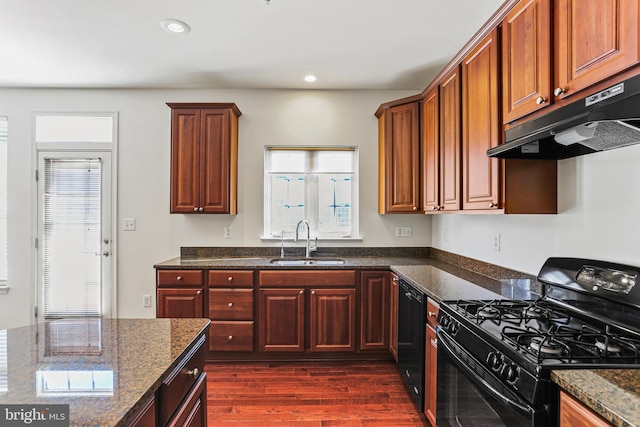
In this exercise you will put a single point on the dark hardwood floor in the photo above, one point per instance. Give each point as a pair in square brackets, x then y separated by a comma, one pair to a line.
[308, 394]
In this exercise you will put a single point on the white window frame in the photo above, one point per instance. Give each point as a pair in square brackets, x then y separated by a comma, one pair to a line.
[80, 146]
[312, 198]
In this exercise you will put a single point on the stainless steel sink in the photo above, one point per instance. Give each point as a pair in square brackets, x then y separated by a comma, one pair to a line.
[307, 261]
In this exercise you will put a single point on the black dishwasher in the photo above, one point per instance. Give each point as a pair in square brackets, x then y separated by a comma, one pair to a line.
[411, 335]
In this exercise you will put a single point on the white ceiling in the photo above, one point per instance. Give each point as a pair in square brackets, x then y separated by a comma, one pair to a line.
[348, 44]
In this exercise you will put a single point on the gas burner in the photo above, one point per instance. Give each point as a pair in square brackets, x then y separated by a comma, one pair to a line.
[608, 346]
[546, 347]
[534, 312]
[488, 313]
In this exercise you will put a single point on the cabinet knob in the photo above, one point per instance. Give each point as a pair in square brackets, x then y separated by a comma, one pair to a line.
[558, 91]
[230, 338]
[541, 100]
[195, 209]
[493, 205]
[179, 278]
[415, 208]
[229, 279]
[230, 304]
[198, 292]
[301, 292]
[313, 292]
[200, 209]
[194, 373]
[395, 279]
[435, 208]
[432, 314]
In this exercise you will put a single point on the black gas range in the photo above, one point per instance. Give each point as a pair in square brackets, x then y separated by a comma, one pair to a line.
[496, 357]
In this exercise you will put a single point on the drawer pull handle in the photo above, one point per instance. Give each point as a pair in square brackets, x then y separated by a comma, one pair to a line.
[230, 304]
[432, 314]
[194, 373]
[230, 338]
[230, 279]
[179, 278]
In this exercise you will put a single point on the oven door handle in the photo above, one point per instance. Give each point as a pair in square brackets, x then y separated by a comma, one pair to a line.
[442, 341]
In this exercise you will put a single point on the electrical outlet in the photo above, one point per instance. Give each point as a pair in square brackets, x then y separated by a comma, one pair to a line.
[444, 234]
[129, 224]
[227, 232]
[495, 242]
[146, 300]
[404, 231]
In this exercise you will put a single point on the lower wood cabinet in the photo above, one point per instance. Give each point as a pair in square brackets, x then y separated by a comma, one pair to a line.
[575, 414]
[431, 362]
[307, 311]
[179, 293]
[374, 310]
[393, 317]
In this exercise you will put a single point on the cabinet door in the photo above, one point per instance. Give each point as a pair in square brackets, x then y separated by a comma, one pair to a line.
[180, 303]
[393, 321]
[431, 151]
[481, 127]
[193, 411]
[575, 414]
[526, 58]
[281, 320]
[593, 40]
[374, 310]
[430, 374]
[403, 158]
[333, 320]
[450, 142]
[215, 160]
[185, 152]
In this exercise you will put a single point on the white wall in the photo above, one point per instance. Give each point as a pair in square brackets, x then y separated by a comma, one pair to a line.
[270, 117]
[598, 201]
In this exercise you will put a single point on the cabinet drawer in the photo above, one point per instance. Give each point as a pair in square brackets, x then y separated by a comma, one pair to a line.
[296, 278]
[432, 312]
[228, 278]
[179, 277]
[176, 386]
[231, 336]
[231, 304]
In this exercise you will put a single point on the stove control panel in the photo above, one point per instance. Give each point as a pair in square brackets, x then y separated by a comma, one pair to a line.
[449, 324]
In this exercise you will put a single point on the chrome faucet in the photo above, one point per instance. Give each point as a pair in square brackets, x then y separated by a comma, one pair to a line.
[309, 248]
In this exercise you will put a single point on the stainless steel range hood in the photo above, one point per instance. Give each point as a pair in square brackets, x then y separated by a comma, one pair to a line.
[601, 121]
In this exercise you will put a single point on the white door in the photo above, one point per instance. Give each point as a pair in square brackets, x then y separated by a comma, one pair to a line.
[74, 243]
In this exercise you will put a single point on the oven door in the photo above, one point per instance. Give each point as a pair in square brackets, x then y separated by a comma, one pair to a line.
[468, 394]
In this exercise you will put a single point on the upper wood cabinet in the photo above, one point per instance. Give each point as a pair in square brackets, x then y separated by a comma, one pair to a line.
[526, 58]
[431, 151]
[399, 159]
[450, 163]
[204, 157]
[547, 59]
[481, 125]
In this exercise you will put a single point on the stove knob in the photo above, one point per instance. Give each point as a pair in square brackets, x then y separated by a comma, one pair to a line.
[510, 373]
[494, 361]
[444, 321]
[454, 327]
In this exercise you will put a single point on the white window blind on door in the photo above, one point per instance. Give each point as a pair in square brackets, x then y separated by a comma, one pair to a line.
[71, 246]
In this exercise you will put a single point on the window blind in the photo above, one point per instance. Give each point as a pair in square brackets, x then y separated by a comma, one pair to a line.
[3, 200]
[3, 363]
[71, 247]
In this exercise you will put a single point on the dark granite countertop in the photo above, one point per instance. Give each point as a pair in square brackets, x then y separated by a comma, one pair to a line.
[614, 394]
[105, 369]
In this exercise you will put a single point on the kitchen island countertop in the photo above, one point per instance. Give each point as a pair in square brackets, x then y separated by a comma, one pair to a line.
[104, 369]
[614, 394]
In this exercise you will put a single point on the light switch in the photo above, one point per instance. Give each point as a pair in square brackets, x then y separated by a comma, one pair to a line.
[129, 224]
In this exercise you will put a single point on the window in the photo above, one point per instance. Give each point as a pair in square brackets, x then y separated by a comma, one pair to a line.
[314, 183]
[3, 201]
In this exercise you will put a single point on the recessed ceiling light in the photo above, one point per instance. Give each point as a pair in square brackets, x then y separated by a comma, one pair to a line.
[174, 26]
[310, 78]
